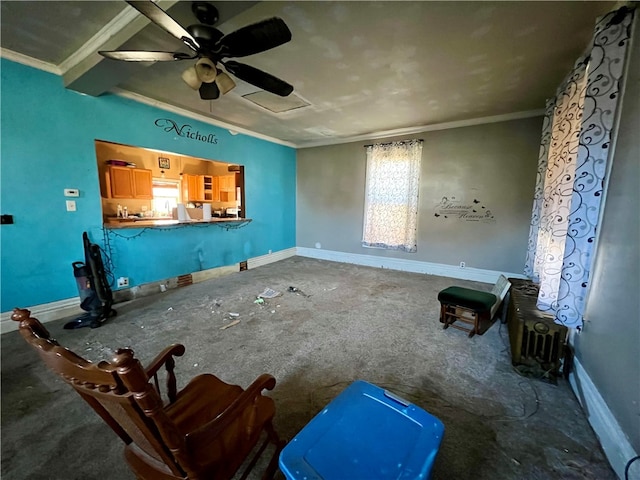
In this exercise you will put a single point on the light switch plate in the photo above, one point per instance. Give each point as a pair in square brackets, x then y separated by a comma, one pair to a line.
[71, 192]
[71, 205]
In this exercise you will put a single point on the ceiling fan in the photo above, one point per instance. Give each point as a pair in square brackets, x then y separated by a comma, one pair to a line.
[212, 48]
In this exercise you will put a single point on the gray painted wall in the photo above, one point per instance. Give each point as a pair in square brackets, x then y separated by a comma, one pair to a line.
[609, 346]
[492, 163]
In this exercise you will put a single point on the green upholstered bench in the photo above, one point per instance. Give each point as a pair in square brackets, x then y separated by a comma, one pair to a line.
[473, 307]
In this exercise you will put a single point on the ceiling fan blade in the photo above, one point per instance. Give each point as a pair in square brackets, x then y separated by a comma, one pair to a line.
[209, 91]
[254, 38]
[161, 18]
[144, 56]
[257, 77]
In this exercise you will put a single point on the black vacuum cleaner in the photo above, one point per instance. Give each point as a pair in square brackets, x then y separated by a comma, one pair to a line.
[93, 287]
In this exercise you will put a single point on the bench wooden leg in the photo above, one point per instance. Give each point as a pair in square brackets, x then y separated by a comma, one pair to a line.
[443, 316]
[450, 314]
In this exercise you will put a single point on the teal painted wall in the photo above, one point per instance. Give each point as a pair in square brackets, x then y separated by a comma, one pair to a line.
[47, 145]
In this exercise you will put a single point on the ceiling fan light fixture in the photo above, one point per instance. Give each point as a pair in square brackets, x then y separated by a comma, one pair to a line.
[190, 77]
[209, 91]
[206, 70]
[210, 46]
[224, 82]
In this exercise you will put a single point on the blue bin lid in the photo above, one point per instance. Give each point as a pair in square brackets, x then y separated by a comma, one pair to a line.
[365, 433]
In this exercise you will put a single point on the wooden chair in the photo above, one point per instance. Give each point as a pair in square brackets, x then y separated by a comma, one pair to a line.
[206, 430]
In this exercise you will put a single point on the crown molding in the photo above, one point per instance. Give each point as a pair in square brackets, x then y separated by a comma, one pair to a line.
[119, 30]
[29, 61]
[95, 43]
[233, 129]
[423, 128]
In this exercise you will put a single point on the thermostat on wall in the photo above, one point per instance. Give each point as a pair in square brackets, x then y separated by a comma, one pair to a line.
[71, 192]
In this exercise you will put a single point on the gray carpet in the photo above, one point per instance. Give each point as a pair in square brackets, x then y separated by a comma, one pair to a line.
[345, 323]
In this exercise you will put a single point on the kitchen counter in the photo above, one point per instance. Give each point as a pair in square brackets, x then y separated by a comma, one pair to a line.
[135, 222]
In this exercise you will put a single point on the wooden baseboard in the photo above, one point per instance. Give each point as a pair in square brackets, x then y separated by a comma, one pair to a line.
[46, 312]
[68, 307]
[467, 273]
[614, 441]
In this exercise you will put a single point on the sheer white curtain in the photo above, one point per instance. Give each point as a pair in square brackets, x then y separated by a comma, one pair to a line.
[574, 152]
[391, 201]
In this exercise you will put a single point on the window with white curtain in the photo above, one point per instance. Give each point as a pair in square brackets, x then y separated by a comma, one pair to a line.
[391, 195]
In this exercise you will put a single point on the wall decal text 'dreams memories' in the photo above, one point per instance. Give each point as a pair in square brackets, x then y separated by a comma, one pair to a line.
[450, 207]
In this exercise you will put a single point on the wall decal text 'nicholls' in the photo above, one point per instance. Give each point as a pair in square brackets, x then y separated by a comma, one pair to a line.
[184, 131]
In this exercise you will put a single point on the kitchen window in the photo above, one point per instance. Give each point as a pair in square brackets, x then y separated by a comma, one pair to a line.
[391, 195]
[166, 196]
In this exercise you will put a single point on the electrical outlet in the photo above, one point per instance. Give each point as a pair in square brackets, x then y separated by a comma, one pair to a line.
[71, 205]
[462, 265]
[123, 282]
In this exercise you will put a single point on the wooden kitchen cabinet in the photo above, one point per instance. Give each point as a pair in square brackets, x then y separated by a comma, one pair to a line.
[198, 188]
[119, 182]
[207, 188]
[227, 187]
[142, 183]
[125, 182]
[215, 189]
[189, 188]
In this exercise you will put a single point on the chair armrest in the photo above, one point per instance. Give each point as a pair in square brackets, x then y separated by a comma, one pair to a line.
[166, 358]
[212, 428]
[175, 350]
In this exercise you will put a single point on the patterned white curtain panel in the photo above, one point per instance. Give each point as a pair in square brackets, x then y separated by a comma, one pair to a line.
[574, 152]
[391, 201]
[558, 188]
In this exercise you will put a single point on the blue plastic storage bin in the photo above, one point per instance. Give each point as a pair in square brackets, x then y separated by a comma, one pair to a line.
[365, 433]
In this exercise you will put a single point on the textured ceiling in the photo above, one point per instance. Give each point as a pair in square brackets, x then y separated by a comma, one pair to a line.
[365, 68]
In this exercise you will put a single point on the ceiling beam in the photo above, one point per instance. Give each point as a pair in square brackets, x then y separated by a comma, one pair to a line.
[88, 72]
